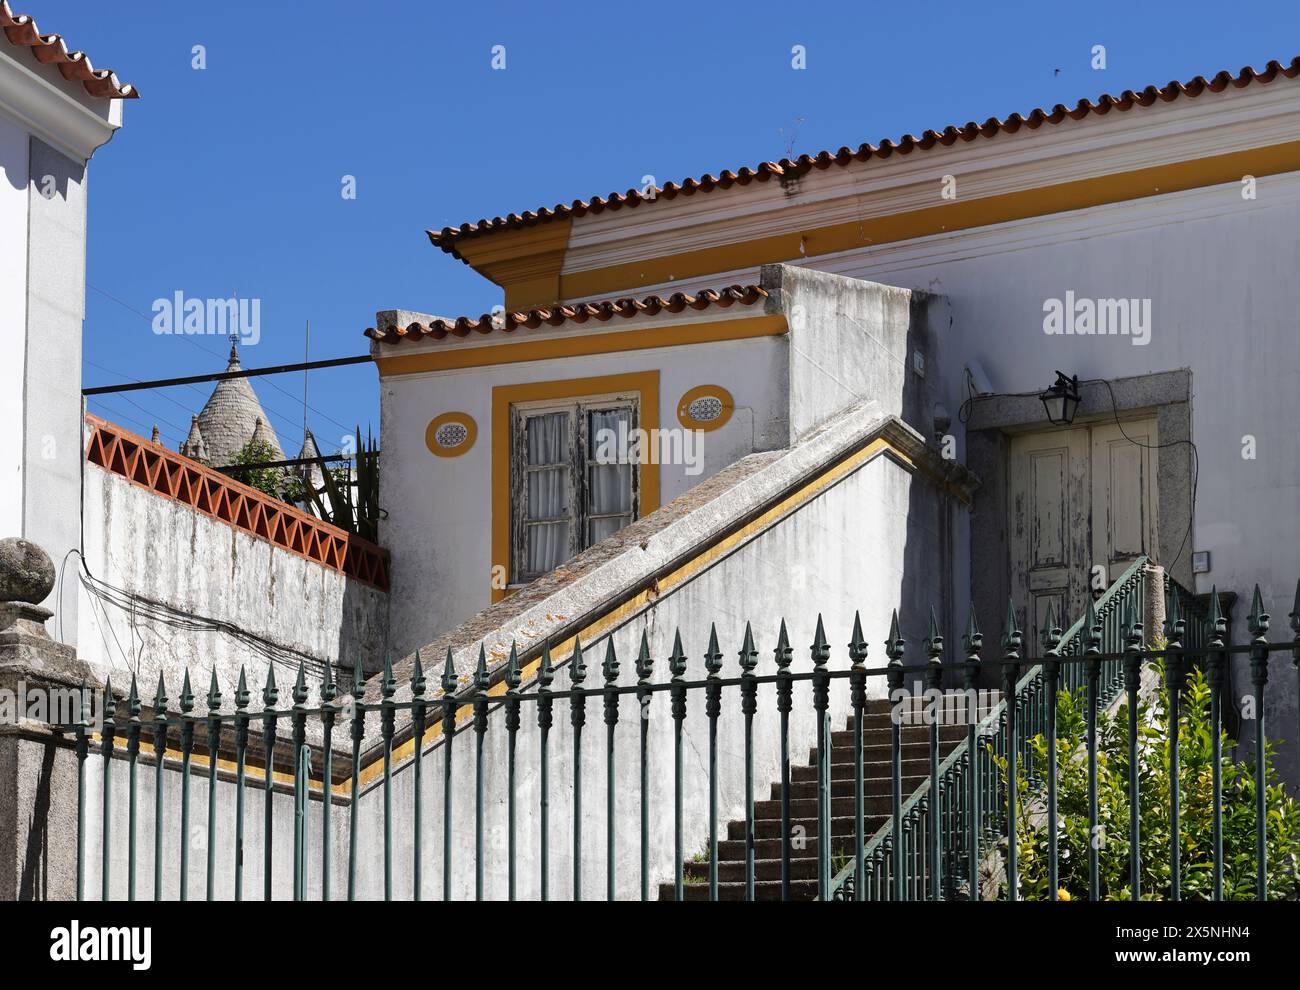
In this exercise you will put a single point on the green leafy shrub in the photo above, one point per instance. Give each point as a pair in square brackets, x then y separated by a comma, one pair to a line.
[1196, 806]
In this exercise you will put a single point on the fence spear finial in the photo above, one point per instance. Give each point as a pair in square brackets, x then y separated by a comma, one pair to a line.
[133, 700]
[973, 640]
[610, 665]
[1258, 620]
[713, 655]
[160, 696]
[748, 654]
[895, 643]
[214, 692]
[513, 676]
[242, 694]
[677, 662]
[577, 666]
[857, 643]
[449, 679]
[645, 664]
[546, 673]
[270, 693]
[820, 649]
[481, 680]
[1051, 631]
[418, 681]
[300, 685]
[187, 694]
[1295, 625]
[784, 652]
[933, 639]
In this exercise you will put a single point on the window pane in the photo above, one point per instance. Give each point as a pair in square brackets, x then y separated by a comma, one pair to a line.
[608, 432]
[548, 438]
[548, 493]
[598, 529]
[610, 488]
[548, 547]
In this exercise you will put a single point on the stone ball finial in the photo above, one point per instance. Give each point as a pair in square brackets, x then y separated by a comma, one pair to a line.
[26, 571]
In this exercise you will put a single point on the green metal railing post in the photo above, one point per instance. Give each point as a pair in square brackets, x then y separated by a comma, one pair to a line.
[270, 695]
[748, 708]
[481, 684]
[1093, 671]
[858, 699]
[577, 719]
[132, 758]
[1174, 678]
[545, 718]
[1132, 682]
[419, 722]
[358, 733]
[187, 750]
[242, 718]
[106, 752]
[450, 683]
[1216, 662]
[894, 647]
[387, 725]
[712, 709]
[301, 784]
[159, 756]
[1011, 639]
[934, 684]
[677, 693]
[821, 692]
[973, 643]
[328, 714]
[1052, 681]
[82, 749]
[1257, 622]
[610, 669]
[644, 673]
[214, 751]
[784, 702]
[513, 680]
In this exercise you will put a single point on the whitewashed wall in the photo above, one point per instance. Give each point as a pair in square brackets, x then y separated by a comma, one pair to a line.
[165, 551]
[14, 143]
[439, 520]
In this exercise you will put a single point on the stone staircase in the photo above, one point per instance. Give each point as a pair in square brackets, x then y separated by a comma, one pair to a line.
[877, 755]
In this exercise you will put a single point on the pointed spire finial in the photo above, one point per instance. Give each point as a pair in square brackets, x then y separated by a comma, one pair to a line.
[894, 643]
[513, 676]
[577, 666]
[270, 693]
[784, 653]
[857, 642]
[677, 662]
[820, 649]
[481, 679]
[645, 664]
[610, 666]
[933, 639]
[418, 681]
[1011, 635]
[187, 694]
[1258, 620]
[713, 655]
[449, 679]
[160, 696]
[1092, 627]
[546, 672]
[748, 654]
[300, 685]
[133, 699]
[242, 695]
[214, 692]
[358, 681]
[110, 703]
[973, 640]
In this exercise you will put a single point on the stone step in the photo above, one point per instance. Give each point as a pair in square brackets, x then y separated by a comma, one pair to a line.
[770, 828]
[766, 890]
[733, 871]
[843, 787]
[884, 736]
[874, 804]
[885, 753]
[730, 850]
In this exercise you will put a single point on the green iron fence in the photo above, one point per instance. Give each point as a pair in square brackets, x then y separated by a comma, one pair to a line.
[930, 848]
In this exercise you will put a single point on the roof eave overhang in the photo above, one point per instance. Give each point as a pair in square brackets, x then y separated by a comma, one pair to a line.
[55, 116]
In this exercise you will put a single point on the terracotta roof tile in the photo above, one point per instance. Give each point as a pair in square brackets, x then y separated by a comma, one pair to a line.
[21, 31]
[439, 329]
[448, 237]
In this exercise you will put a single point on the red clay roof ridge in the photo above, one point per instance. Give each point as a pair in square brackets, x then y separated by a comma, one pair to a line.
[22, 32]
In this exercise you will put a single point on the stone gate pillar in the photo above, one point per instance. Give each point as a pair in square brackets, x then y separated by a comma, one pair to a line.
[39, 680]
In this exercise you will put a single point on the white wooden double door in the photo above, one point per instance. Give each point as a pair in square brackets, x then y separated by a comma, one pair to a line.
[1080, 498]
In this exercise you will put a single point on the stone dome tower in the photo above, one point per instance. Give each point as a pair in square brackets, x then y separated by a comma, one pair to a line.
[231, 417]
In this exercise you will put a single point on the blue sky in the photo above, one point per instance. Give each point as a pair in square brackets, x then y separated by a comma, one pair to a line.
[228, 179]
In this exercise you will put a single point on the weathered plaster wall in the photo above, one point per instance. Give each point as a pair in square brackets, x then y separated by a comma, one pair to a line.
[167, 552]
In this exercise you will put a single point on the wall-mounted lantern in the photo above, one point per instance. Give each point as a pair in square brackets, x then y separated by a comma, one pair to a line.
[1062, 400]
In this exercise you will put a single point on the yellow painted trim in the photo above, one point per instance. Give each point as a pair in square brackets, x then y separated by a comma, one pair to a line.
[646, 386]
[438, 422]
[949, 216]
[701, 392]
[525, 262]
[690, 568]
[454, 355]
